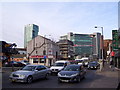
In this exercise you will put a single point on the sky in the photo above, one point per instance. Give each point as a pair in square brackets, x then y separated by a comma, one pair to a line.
[57, 19]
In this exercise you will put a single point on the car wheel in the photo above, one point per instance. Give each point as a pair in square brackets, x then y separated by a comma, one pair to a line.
[29, 79]
[46, 76]
[84, 77]
[78, 79]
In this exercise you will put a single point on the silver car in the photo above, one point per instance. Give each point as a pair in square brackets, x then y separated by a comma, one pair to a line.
[30, 73]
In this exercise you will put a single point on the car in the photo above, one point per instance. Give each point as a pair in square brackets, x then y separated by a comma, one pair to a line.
[79, 61]
[14, 63]
[72, 73]
[19, 64]
[25, 62]
[93, 65]
[58, 66]
[86, 63]
[29, 73]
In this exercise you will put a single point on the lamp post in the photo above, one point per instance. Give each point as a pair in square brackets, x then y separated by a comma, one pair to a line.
[102, 45]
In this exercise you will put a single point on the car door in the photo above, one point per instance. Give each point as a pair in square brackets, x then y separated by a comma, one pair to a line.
[38, 72]
[41, 71]
[44, 71]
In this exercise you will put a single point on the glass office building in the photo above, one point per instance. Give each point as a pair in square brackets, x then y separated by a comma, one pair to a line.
[30, 32]
[83, 44]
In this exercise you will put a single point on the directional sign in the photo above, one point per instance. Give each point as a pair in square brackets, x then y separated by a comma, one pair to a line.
[115, 39]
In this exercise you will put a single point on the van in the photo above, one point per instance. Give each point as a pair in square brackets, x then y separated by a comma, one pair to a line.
[58, 66]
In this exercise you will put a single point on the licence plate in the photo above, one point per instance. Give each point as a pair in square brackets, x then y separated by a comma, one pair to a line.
[13, 80]
[65, 80]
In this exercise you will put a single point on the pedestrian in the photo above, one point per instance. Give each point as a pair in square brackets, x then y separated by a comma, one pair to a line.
[111, 64]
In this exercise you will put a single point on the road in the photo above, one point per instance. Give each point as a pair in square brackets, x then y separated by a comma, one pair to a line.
[52, 82]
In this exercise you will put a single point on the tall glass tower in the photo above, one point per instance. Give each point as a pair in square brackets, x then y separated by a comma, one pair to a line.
[30, 32]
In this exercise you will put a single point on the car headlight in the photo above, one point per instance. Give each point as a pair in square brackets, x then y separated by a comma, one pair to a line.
[11, 74]
[59, 74]
[74, 74]
[22, 76]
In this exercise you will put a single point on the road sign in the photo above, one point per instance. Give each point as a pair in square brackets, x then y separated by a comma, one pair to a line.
[45, 57]
[115, 39]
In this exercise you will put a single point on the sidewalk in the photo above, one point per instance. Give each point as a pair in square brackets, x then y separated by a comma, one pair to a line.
[110, 77]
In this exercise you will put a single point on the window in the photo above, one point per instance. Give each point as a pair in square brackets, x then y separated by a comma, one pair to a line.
[42, 60]
[43, 67]
[39, 68]
[35, 60]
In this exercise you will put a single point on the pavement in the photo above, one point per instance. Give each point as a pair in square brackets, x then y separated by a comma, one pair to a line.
[110, 77]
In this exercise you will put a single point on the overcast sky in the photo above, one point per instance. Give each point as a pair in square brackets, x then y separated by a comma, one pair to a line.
[57, 18]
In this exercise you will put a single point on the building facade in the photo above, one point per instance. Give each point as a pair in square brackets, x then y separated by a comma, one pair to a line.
[41, 50]
[7, 50]
[97, 45]
[30, 32]
[107, 47]
[85, 44]
[21, 55]
[66, 49]
[82, 44]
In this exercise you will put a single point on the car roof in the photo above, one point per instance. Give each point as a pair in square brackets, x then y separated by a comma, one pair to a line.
[61, 61]
[74, 65]
[35, 65]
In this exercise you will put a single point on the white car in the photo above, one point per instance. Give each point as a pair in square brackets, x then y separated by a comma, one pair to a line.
[58, 66]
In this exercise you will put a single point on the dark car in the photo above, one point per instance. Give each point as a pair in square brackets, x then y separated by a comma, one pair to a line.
[11, 63]
[72, 73]
[93, 65]
[14, 63]
[25, 62]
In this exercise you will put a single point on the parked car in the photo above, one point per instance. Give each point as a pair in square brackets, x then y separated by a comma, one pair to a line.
[25, 62]
[13, 63]
[30, 73]
[93, 65]
[72, 73]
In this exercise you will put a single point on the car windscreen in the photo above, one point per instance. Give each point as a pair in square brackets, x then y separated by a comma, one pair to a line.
[71, 68]
[29, 68]
[92, 64]
[59, 64]
[25, 61]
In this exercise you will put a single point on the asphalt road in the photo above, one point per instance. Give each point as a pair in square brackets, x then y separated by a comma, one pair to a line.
[52, 82]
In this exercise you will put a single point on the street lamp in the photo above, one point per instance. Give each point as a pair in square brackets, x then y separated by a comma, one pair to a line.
[102, 44]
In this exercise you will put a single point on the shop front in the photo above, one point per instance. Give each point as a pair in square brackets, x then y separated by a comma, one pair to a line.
[46, 60]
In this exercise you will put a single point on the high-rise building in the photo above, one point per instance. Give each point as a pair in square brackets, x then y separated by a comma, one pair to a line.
[85, 44]
[97, 47]
[82, 43]
[30, 32]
